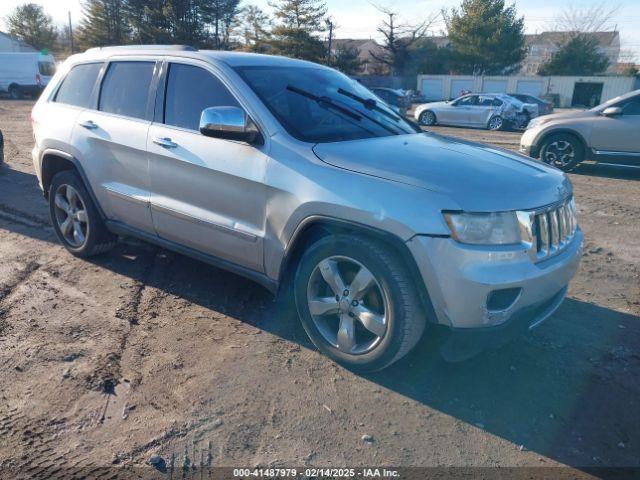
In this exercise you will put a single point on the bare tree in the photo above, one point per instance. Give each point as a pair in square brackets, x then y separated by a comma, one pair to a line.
[580, 19]
[399, 38]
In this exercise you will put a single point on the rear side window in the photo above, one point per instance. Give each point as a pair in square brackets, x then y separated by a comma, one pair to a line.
[46, 68]
[125, 88]
[78, 85]
[189, 91]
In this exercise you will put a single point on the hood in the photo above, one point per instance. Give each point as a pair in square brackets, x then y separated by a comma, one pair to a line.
[431, 105]
[477, 177]
[567, 115]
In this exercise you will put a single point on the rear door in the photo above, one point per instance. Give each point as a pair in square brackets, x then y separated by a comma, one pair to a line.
[206, 193]
[481, 111]
[112, 141]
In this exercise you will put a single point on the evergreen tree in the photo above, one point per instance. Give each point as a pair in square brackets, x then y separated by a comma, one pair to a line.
[148, 21]
[578, 56]
[300, 22]
[30, 24]
[105, 23]
[347, 60]
[220, 16]
[487, 37]
[254, 29]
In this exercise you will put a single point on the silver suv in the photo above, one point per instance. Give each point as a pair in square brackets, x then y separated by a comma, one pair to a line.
[291, 173]
[608, 133]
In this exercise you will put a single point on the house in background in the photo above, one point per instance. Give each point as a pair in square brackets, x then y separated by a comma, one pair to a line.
[540, 48]
[366, 49]
[8, 44]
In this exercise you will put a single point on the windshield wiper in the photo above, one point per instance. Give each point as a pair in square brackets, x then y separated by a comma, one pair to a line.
[351, 112]
[368, 103]
[326, 101]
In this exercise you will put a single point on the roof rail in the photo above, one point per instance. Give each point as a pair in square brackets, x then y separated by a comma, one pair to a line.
[126, 48]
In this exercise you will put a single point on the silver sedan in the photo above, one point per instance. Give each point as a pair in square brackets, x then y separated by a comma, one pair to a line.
[491, 111]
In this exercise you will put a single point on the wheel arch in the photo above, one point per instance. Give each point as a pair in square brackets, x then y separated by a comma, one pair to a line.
[56, 161]
[314, 228]
[563, 131]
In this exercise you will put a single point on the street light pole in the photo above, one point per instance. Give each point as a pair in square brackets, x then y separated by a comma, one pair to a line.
[71, 33]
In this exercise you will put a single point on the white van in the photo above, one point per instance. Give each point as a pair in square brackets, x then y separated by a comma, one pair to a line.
[25, 73]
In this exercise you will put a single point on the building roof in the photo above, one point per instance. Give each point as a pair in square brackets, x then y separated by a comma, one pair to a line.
[603, 38]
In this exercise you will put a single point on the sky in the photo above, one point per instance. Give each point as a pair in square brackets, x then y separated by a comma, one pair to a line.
[359, 18]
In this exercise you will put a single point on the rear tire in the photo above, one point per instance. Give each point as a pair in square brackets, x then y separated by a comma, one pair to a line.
[364, 329]
[15, 92]
[75, 218]
[563, 151]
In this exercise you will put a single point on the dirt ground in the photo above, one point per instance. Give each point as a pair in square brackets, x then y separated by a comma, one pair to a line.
[143, 351]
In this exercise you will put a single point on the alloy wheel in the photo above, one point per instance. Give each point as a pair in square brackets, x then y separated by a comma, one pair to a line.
[428, 118]
[347, 304]
[71, 215]
[560, 153]
[495, 123]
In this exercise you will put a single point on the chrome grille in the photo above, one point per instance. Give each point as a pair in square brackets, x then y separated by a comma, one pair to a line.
[553, 229]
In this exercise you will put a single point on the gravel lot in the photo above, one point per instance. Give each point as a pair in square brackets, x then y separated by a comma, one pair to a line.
[143, 351]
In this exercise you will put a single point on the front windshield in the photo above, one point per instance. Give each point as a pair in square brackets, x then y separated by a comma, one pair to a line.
[320, 105]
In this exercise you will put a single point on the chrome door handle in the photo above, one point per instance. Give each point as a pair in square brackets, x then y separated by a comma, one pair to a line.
[164, 142]
[89, 125]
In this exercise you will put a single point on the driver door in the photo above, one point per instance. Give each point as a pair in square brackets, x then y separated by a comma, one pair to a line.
[206, 193]
[458, 112]
[616, 138]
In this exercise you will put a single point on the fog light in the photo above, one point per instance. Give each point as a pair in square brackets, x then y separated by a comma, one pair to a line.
[499, 300]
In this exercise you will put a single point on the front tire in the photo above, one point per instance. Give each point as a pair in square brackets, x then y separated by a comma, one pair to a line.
[357, 302]
[562, 151]
[15, 92]
[75, 218]
[427, 118]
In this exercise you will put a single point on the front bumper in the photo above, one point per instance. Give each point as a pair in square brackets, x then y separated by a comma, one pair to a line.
[528, 145]
[461, 278]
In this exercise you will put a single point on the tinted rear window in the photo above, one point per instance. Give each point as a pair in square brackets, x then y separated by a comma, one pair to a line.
[78, 85]
[189, 91]
[125, 88]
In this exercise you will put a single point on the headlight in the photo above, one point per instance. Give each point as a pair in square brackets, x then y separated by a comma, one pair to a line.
[536, 122]
[484, 228]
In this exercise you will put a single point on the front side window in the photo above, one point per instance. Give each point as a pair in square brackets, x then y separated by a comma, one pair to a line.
[466, 101]
[125, 88]
[189, 91]
[320, 105]
[78, 85]
[632, 107]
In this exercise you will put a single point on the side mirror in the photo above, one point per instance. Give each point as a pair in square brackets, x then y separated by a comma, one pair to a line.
[230, 123]
[612, 112]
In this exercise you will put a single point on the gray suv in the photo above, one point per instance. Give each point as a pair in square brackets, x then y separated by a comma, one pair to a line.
[290, 173]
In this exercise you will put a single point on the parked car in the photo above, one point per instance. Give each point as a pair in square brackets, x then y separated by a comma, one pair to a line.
[544, 107]
[290, 173]
[25, 73]
[608, 133]
[484, 110]
[397, 99]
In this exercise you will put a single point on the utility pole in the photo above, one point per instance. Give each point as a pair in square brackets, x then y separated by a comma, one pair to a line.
[330, 23]
[71, 33]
